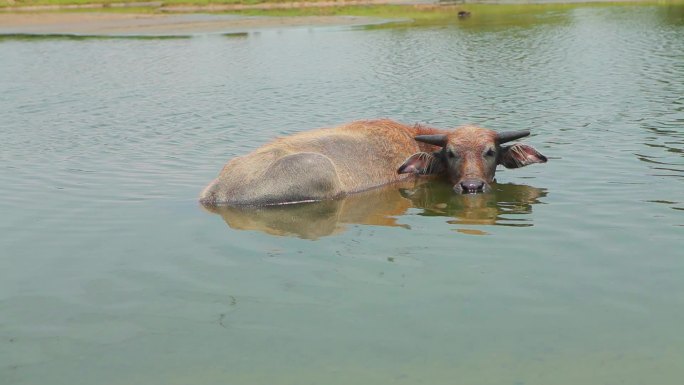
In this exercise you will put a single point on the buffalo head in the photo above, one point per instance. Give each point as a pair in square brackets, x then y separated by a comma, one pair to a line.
[468, 156]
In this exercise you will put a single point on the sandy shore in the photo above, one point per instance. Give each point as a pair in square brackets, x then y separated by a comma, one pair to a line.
[127, 24]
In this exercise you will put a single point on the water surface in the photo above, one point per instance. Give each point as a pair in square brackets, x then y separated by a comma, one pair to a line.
[570, 272]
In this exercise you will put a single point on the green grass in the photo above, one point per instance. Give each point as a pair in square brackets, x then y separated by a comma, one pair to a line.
[503, 7]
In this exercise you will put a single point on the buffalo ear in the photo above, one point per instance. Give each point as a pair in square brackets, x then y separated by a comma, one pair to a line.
[421, 163]
[520, 155]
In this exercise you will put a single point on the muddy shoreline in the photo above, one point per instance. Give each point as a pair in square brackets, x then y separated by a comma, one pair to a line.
[166, 20]
[131, 24]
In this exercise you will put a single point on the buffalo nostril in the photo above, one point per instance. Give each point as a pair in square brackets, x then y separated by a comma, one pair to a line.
[472, 186]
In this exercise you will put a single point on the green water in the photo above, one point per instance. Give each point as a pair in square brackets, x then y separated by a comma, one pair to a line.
[570, 272]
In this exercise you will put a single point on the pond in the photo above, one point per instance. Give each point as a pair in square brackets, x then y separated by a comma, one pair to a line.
[569, 272]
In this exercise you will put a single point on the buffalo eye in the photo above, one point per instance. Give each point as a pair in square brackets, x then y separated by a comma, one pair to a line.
[490, 152]
[450, 153]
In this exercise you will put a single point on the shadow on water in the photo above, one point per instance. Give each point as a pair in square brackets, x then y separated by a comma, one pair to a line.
[471, 16]
[69, 36]
[672, 14]
[384, 206]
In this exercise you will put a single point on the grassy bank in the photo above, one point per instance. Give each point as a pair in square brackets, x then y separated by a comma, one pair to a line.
[292, 4]
[425, 14]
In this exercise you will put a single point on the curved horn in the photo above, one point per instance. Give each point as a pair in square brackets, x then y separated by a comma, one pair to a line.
[435, 140]
[507, 136]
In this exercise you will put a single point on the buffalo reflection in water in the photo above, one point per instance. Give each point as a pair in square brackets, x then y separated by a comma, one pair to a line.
[507, 205]
[383, 206]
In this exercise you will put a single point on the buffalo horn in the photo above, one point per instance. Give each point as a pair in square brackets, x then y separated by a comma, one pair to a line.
[435, 140]
[503, 137]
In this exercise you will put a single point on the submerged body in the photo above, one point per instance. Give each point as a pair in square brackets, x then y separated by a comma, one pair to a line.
[333, 162]
[319, 164]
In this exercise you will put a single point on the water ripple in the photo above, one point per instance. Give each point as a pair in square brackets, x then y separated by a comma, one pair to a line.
[106, 257]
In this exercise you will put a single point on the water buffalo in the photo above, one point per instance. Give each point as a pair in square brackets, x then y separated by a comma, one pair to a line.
[333, 162]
